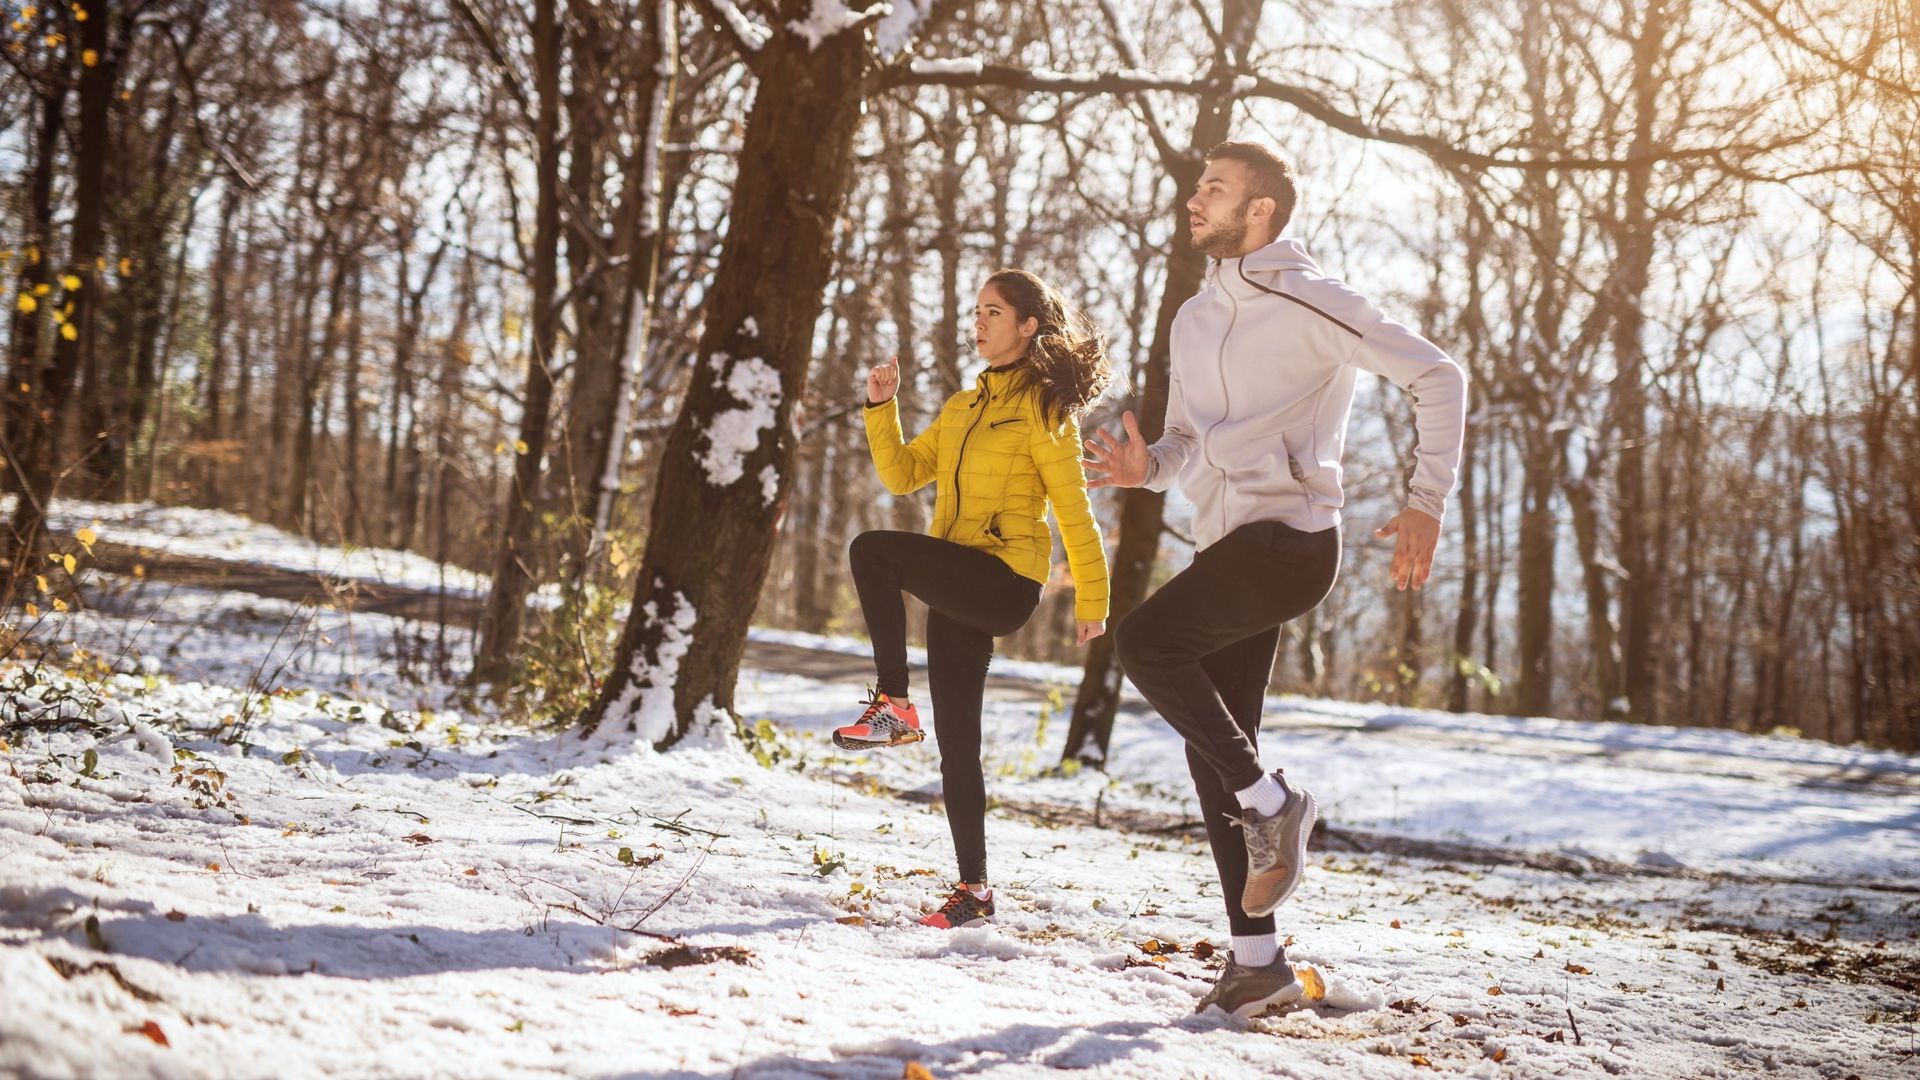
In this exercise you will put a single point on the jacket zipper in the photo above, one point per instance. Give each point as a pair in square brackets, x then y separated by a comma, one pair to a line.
[986, 396]
[1220, 366]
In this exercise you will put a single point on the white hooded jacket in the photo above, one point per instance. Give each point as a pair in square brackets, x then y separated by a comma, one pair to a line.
[1263, 368]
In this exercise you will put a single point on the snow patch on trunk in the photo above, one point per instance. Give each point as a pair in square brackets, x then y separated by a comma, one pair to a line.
[648, 699]
[750, 32]
[735, 433]
[769, 484]
[895, 31]
[829, 17]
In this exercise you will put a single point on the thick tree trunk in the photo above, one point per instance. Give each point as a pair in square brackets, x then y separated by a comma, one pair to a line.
[615, 301]
[35, 405]
[313, 380]
[74, 355]
[1634, 243]
[1538, 541]
[1602, 638]
[1141, 511]
[728, 461]
[516, 558]
[356, 527]
[211, 428]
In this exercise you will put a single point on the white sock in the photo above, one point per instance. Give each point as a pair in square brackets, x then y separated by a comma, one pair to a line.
[982, 894]
[1265, 797]
[1255, 950]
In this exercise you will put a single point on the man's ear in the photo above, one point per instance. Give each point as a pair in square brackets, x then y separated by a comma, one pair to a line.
[1261, 210]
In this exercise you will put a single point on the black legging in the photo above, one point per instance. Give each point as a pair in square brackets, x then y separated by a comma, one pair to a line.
[1201, 651]
[972, 598]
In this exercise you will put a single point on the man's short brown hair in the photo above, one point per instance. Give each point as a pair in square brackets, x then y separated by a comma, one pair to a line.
[1271, 175]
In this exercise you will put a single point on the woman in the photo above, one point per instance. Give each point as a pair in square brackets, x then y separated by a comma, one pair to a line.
[997, 455]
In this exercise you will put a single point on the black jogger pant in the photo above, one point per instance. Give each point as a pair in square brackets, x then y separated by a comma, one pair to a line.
[1201, 651]
[972, 597]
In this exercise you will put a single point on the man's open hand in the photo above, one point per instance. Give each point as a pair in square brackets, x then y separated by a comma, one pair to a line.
[1117, 463]
[1419, 534]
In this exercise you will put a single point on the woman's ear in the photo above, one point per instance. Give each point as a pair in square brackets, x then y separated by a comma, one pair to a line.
[1030, 327]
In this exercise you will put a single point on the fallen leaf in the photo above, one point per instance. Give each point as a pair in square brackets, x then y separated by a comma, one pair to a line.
[1720, 983]
[1312, 986]
[214, 866]
[176, 916]
[152, 1031]
[1494, 991]
[1558, 1036]
[1204, 949]
[1419, 1059]
[1713, 965]
[1540, 954]
[851, 920]
[418, 839]
[916, 1071]
[1578, 970]
[473, 873]
[1499, 1055]
[1395, 924]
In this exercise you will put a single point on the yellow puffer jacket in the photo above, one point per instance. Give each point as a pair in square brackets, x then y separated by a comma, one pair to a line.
[997, 464]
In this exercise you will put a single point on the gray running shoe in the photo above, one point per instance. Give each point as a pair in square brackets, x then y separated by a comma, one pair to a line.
[1276, 850]
[1245, 991]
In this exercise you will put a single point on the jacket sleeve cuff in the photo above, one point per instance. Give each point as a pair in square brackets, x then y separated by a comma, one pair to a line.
[1159, 477]
[1431, 503]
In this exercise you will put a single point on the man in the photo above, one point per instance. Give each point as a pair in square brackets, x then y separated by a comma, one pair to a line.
[1263, 369]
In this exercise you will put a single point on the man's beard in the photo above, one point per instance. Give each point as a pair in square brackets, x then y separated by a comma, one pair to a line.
[1227, 238]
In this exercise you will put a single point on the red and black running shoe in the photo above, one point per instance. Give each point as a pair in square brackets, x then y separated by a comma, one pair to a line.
[961, 909]
[885, 723]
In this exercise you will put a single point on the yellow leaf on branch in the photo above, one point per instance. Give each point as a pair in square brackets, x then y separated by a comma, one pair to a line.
[68, 331]
[27, 304]
[70, 282]
[69, 562]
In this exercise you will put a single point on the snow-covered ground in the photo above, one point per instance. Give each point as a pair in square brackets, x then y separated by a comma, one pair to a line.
[214, 534]
[295, 852]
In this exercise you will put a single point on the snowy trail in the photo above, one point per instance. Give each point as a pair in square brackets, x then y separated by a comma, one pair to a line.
[385, 884]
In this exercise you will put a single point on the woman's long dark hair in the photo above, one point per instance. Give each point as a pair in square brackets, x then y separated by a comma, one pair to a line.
[1067, 356]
